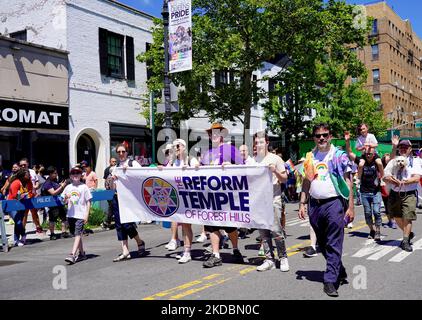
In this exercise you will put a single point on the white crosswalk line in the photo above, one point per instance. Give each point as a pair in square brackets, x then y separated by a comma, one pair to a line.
[374, 250]
[404, 254]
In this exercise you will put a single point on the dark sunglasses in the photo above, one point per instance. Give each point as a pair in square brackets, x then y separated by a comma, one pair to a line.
[325, 135]
[121, 151]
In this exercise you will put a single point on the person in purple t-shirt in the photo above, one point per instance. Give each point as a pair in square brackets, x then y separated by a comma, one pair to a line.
[221, 154]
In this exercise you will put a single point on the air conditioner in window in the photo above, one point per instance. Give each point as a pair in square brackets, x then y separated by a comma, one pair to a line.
[396, 84]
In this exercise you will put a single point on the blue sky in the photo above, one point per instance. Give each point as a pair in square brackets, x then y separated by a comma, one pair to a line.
[406, 9]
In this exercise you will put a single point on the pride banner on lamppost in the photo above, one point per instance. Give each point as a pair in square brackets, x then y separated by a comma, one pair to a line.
[180, 35]
[236, 196]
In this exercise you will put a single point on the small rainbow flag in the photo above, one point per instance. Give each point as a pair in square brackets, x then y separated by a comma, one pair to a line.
[290, 166]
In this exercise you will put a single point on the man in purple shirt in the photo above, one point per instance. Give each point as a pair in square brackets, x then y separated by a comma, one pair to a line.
[221, 154]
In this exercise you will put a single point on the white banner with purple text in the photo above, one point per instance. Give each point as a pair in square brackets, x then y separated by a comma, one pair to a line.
[236, 196]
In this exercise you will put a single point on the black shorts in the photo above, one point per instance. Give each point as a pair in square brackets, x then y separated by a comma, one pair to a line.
[56, 212]
[214, 229]
[76, 226]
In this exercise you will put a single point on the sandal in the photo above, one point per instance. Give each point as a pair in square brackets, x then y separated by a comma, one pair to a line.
[122, 257]
[141, 249]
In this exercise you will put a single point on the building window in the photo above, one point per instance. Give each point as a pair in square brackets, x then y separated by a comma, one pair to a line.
[375, 52]
[117, 56]
[354, 80]
[221, 78]
[375, 27]
[377, 97]
[19, 35]
[376, 76]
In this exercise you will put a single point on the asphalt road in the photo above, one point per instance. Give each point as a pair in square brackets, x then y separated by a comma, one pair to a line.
[376, 271]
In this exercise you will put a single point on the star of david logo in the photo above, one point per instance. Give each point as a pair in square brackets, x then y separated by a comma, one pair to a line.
[160, 197]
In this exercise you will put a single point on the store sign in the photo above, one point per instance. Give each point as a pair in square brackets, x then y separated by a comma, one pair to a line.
[26, 115]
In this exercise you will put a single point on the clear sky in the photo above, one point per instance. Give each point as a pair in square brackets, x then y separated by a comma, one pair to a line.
[406, 9]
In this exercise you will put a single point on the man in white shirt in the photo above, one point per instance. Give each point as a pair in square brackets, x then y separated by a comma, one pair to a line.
[328, 190]
[244, 152]
[402, 197]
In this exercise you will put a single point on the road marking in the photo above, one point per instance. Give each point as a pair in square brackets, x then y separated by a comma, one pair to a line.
[192, 291]
[404, 254]
[292, 250]
[182, 287]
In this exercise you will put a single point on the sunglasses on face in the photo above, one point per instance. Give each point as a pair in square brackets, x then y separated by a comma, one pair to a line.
[318, 136]
[121, 152]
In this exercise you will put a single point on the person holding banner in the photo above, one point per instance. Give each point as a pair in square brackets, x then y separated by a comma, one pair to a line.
[276, 165]
[328, 191]
[181, 159]
[221, 154]
[125, 230]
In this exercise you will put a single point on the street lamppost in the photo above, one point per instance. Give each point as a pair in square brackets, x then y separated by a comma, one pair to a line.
[167, 95]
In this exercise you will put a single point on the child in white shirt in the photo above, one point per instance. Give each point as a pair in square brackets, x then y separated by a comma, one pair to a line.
[78, 199]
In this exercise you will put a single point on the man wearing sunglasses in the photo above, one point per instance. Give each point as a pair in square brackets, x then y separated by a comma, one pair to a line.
[328, 191]
[402, 197]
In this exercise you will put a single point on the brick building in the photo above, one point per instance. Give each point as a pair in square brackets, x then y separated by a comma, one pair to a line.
[394, 63]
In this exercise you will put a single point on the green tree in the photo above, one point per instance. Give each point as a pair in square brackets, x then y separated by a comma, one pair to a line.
[315, 82]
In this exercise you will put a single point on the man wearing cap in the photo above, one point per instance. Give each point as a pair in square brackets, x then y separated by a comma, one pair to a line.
[221, 154]
[402, 198]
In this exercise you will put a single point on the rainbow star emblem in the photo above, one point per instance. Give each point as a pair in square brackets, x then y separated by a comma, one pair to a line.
[160, 197]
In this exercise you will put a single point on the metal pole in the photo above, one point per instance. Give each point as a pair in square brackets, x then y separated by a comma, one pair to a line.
[152, 123]
[4, 241]
[167, 96]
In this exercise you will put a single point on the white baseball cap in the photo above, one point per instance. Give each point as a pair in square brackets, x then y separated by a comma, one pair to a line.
[179, 141]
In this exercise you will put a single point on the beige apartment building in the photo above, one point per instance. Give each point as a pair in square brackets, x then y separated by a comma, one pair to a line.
[394, 63]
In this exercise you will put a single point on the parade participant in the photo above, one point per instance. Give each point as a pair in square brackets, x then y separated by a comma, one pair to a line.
[326, 187]
[181, 159]
[168, 153]
[221, 154]
[369, 186]
[20, 188]
[276, 165]
[244, 152]
[108, 185]
[77, 197]
[91, 178]
[403, 174]
[248, 160]
[23, 163]
[125, 230]
[52, 188]
[385, 191]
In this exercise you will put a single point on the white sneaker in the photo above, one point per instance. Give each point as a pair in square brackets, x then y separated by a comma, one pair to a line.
[350, 225]
[173, 245]
[185, 258]
[179, 256]
[20, 244]
[267, 265]
[284, 265]
[201, 238]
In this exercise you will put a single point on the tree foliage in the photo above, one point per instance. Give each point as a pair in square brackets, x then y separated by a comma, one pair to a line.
[238, 36]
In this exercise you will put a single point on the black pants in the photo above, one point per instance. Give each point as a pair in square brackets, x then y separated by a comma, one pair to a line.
[123, 229]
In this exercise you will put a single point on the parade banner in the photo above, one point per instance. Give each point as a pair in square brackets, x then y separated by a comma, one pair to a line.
[236, 196]
[180, 35]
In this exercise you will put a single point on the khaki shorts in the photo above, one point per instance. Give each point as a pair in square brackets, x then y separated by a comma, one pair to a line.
[402, 205]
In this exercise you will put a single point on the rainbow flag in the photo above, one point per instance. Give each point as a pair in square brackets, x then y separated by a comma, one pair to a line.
[290, 166]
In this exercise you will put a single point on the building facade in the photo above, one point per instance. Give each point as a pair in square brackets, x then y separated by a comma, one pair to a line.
[106, 84]
[34, 104]
[394, 63]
